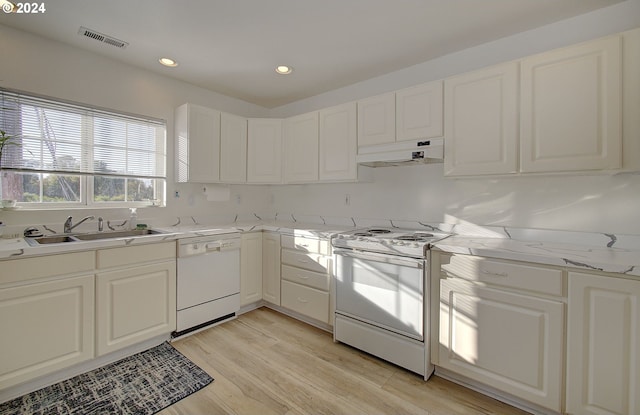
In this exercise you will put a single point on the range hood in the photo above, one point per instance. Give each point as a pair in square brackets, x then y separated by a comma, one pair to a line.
[402, 153]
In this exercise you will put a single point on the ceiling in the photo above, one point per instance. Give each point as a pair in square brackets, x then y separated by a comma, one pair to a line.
[233, 46]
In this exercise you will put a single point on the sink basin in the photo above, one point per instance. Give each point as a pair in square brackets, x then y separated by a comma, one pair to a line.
[116, 234]
[78, 237]
[53, 239]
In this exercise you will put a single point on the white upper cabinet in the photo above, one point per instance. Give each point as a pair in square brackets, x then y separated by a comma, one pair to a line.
[568, 116]
[233, 148]
[571, 108]
[419, 112]
[197, 132]
[377, 120]
[301, 148]
[264, 153]
[481, 121]
[409, 114]
[338, 143]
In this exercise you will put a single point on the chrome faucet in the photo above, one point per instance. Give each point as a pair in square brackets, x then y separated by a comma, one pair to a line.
[68, 227]
[100, 224]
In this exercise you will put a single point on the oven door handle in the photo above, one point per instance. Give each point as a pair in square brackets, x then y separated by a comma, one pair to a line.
[387, 259]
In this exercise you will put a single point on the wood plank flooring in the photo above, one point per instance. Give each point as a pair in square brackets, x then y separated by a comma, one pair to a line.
[267, 363]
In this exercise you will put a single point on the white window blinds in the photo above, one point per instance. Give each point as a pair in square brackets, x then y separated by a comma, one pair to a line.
[61, 137]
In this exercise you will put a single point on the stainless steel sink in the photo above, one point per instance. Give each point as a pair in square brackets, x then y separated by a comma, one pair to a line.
[52, 239]
[79, 237]
[116, 234]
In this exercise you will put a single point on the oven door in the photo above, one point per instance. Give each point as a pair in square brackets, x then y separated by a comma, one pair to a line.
[383, 290]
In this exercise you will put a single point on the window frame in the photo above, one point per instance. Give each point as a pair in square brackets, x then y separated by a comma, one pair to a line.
[88, 142]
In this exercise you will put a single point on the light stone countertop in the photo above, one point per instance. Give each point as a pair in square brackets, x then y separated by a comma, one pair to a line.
[576, 250]
[572, 255]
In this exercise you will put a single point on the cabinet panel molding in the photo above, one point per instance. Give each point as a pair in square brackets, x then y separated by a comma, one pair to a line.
[233, 148]
[47, 327]
[603, 345]
[509, 341]
[571, 108]
[135, 304]
[338, 143]
[481, 121]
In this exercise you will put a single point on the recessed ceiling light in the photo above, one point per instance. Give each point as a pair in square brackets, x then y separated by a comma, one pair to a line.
[168, 62]
[284, 69]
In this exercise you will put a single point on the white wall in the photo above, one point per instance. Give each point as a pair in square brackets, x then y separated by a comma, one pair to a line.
[597, 203]
[34, 64]
[614, 19]
[587, 203]
[600, 203]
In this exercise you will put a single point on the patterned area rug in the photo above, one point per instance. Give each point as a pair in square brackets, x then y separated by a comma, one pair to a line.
[144, 383]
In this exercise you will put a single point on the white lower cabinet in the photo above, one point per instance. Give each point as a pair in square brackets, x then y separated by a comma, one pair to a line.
[510, 341]
[271, 267]
[306, 276]
[603, 345]
[46, 326]
[135, 302]
[251, 268]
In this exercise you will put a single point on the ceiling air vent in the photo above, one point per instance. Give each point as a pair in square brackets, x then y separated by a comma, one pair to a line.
[109, 40]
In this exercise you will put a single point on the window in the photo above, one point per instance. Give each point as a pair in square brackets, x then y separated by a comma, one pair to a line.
[66, 154]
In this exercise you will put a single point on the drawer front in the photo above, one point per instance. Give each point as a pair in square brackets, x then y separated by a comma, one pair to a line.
[318, 246]
[305, 277]
[506, 274]
[304, 300]
[135, 255]
[311, 262]
[25, 269]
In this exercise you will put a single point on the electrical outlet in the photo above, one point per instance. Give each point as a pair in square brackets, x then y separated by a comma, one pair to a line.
[347, 200]
[176, 194]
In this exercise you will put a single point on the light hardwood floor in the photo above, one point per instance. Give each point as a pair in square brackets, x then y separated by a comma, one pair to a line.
[267, 363]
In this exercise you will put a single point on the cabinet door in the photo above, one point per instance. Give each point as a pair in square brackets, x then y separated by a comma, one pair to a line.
[134, 305]
[419, 112]
[251, 268]
[233, 148]
[571, 108]
[508, 341]
[603, 338]
[481, 121]
[338, 143]
[264, 158]
[377, 120]
[271, 267]
[46, 327]
[198, 144]
[301, 148]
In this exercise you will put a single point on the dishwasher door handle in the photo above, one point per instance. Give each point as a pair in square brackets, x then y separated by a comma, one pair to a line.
[214, 246]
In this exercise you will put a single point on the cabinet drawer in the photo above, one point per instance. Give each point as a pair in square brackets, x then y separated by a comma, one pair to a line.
[305, 300]
[305, 277]
[318, 246]
[25, 269]
[134, 255]
[312, 262]
[506, 274]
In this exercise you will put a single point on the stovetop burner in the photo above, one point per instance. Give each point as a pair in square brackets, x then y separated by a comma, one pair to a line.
[395, 241]
[379, 230]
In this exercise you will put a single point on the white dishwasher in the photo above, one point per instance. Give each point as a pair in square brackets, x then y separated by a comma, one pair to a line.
[208, 281]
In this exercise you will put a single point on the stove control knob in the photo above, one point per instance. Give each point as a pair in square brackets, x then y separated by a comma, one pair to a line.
[399, 243]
